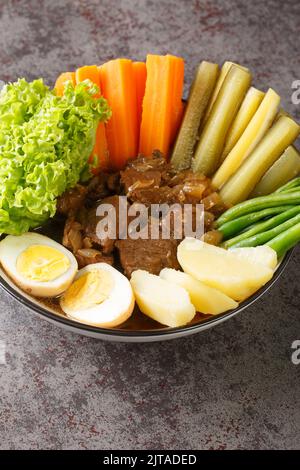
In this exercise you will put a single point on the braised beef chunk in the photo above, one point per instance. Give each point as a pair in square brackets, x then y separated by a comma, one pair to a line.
[145, 180]
[71, 200]
[150, 255]
[161, 195]
[153, 181]
[188, 193]
[74, 239]
[90, 221]
[132, 180]
[145, 173]
[97, 188]
[102, 186]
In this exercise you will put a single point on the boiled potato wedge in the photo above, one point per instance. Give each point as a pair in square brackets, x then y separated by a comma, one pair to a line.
[257, 254]
[236, 277]
[163, 301]
[204, 298]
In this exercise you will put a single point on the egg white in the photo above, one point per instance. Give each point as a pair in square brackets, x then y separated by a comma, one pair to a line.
[113, 311]
[12, 246]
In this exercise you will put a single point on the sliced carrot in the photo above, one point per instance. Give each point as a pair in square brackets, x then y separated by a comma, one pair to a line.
[61, 81]
[89, 72]
[140, 72]
[99, 156]
[163, 87]
[118, 86]
[177, 105]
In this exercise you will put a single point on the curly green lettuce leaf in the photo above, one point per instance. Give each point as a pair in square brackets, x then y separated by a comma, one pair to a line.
[45, 143]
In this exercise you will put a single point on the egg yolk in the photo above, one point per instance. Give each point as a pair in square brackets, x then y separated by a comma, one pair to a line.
[42, 263]
[89, 290]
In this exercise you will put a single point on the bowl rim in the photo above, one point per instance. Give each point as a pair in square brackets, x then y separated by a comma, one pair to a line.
[159, 333]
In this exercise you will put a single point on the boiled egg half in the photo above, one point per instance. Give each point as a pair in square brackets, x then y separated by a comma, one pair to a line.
[99, 296]
[38, 264]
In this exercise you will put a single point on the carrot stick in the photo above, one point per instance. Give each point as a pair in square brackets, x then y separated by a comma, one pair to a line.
[61, 81]
[118, 86]
[140, 73]
[163, 85]
[99, 156]
[177, 111]
[89, 72]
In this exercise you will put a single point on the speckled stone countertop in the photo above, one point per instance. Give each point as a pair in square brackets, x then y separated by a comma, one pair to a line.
[231, 387]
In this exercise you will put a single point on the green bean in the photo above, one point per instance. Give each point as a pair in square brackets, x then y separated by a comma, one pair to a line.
[285, 240]
[237, 225]
[291, 190]
[261, 227]
[262, 238]
[258, 203]
[294, 183]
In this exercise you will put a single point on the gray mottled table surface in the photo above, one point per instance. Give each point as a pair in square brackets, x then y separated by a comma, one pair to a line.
[231, 387]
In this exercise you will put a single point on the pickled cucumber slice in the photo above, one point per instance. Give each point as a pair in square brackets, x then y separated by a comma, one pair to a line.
[224, 71]
[200, 92]
[284, 169]
[252, 135]
[247, 110]
[277, 139]
[212, 139]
